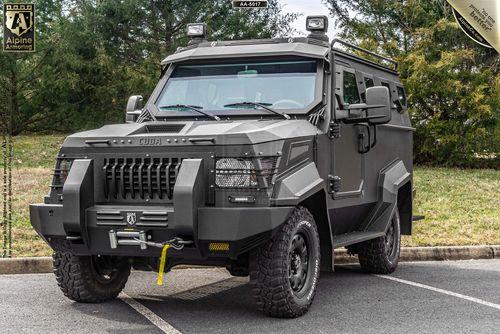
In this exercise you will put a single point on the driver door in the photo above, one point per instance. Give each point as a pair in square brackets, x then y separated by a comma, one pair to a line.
[348, 161]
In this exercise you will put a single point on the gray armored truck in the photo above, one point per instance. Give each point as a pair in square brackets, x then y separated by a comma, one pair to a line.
[261, 156]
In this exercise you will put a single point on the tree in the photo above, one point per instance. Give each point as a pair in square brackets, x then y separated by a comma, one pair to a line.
[453, 83]
[137, 35]
[91, 55]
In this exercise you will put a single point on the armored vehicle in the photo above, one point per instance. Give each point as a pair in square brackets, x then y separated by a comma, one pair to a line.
[261, 156]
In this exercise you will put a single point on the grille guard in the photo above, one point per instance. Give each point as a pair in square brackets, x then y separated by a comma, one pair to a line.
[131, 178]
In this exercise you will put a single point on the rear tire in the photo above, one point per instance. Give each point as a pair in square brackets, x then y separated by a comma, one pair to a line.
[381, 255]
[90, 279]
[284, 271]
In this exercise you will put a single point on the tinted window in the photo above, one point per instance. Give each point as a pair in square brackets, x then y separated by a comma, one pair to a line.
[385, 84]
[214, 87]
[369, 82]
[402, 95]
[351, 94]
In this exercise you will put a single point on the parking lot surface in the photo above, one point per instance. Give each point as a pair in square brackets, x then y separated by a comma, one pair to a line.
[430, 297]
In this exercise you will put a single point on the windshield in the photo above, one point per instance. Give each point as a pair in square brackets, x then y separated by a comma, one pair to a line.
[222, 88]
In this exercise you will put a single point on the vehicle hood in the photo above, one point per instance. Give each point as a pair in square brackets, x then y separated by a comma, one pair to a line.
[244, 132]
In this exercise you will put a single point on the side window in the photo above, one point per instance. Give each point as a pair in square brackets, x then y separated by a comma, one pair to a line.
[386, 84]
[402, 95]
[369, 82]
[351, 93]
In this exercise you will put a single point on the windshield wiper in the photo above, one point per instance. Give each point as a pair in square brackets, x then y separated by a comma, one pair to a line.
[194, 108]
[256, 104]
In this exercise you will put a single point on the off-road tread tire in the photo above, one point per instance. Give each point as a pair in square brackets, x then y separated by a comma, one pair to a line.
[269, 274]
[75, 278]
[373, 258]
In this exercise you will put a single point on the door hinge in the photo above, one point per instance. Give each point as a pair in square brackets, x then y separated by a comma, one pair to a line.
[334, 183]
[334, 130]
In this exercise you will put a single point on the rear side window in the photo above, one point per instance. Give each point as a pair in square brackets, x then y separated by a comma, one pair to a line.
[402, 96]
[351, 93]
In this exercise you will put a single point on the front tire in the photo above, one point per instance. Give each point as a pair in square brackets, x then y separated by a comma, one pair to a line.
[381, 255]
[284, 271]
[90, 279]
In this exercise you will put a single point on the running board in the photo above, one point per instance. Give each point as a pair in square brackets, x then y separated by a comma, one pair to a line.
[346, 239]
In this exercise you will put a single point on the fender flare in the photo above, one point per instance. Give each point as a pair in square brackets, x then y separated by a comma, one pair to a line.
[305, 187]
[391, 178]
[298, 186]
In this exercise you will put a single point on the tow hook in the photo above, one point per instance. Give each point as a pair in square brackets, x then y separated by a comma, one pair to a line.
[176, 243]
[130, 238]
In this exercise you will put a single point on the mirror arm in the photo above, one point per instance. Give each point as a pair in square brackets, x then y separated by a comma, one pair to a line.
[354, 120]
[363, 106]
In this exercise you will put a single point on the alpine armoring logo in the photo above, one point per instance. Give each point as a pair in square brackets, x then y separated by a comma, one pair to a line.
[19, 27]
[131, 218]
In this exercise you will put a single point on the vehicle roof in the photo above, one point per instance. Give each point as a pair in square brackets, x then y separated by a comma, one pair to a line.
[301, 47]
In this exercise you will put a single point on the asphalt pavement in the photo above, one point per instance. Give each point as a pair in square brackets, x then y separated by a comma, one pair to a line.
[420, 297]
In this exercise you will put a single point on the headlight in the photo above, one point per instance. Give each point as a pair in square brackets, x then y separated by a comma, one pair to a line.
[64, 167]
[235, 173]
[62, 171]
[245, 172]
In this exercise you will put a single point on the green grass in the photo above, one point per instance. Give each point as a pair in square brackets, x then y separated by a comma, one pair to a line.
[461, 207]
[36, 151]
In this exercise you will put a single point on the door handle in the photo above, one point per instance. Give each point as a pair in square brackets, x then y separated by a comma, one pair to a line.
[362, 147]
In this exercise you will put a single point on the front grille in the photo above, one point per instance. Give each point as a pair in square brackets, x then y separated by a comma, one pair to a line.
[144, 178]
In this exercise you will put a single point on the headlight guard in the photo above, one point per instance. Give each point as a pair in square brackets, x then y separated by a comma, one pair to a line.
[245, 173]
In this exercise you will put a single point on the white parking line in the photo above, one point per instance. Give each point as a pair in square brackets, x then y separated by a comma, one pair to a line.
[446, 292]
[164, 326]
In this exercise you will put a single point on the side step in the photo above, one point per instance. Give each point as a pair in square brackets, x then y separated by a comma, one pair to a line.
[417, 218]
[346, 239]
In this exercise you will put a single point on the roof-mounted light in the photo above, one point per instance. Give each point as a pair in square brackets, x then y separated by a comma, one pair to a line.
[197, 30]
[317, 24]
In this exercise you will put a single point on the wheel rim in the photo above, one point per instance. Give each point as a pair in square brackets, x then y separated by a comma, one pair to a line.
[105, 268]
[390, 239]
[299, 257]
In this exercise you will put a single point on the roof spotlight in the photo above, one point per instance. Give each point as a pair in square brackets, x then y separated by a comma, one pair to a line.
[197, 30]
[317, 24]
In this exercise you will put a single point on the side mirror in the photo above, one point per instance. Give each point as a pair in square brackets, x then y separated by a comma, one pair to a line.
[378, 96]
[133, 110]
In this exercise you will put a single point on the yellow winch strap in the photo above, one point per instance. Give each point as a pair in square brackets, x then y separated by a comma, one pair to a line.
[163, 259]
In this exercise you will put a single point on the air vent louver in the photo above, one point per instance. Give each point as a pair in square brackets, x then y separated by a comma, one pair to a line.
[160, 128]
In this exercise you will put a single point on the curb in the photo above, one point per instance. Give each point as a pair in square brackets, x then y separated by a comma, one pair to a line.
[26, 265]
[40, 265]
[440, 253]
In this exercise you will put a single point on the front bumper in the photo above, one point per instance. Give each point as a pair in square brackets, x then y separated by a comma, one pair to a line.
[243, 228]
[88, 228]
